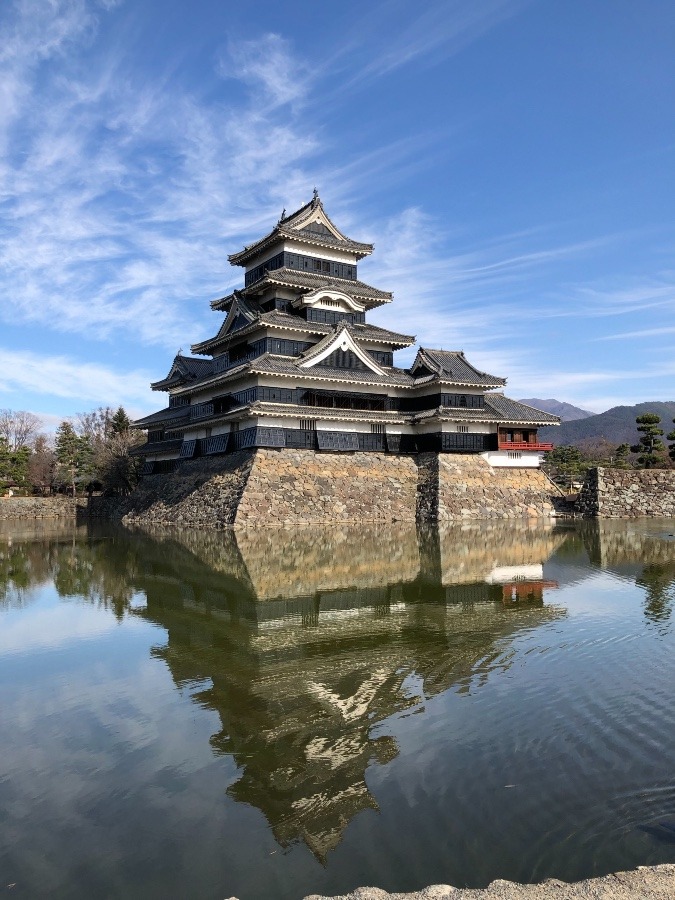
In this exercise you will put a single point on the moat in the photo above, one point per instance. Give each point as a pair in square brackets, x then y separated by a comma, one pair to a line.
[275, 713]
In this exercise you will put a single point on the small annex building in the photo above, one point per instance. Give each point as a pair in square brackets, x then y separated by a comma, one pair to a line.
[295, 364]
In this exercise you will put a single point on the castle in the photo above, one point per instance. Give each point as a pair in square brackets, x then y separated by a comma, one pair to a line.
[296, 365]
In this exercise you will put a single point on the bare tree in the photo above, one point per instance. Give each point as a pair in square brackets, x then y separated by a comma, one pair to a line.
[19, 428]
[117, 468]
[95, 425]
[41, 466]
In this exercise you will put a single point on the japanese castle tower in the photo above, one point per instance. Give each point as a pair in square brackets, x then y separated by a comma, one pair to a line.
[295, 364]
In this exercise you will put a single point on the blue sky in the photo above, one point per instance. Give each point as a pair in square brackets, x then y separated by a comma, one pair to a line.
[512, 161]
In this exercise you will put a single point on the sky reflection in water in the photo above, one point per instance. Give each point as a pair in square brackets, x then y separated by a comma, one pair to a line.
[283, 712]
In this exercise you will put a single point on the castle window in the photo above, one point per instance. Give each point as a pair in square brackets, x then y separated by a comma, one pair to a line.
[377, 429]
[464, 429]
[515, 454]
[308, 424]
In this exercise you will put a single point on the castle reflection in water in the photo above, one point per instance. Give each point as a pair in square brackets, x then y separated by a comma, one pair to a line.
[308, 637]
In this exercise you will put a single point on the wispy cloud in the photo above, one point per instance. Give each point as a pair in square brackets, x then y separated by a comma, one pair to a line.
[267, 65]
[657, 292]
[118, 200]
[640, 333]
[436, 29]
[470, 300]
[71, 378]
[123, 201]
[123, 187]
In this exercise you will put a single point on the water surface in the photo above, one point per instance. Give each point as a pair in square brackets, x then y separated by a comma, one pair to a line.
[284, 712]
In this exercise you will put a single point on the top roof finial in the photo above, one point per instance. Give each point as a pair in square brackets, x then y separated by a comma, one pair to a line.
[283, 214]
[315, 197]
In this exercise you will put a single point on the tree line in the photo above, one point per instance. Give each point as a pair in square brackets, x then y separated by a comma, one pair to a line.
[567, 464]
[89, 452]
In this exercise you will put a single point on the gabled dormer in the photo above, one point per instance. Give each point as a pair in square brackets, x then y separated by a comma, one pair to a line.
[310, 225]
[183, 370]
[339, 350]
[451, 367]
[240, 315]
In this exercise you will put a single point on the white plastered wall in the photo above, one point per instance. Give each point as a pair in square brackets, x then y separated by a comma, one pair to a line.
[343, 256]
[522, 459]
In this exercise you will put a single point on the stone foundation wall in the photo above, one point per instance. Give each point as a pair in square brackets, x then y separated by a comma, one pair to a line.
[199, 493]
[277, 487]
[627, 493]
[302, 487]
[457, 487]
[39, 507]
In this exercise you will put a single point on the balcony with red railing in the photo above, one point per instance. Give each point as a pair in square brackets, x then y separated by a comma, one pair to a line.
[525, 445]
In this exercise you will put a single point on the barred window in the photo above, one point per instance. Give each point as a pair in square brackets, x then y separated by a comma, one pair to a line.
[515, 454]
[377, 429]
[308, 424]
[463, 429]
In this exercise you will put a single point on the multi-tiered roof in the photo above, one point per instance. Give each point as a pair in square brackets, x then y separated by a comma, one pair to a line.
[295, 364]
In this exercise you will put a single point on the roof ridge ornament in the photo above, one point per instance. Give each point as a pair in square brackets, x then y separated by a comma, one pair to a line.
[315, 197]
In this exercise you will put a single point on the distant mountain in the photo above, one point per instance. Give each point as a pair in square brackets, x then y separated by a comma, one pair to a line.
[617, 425]
[566, 411]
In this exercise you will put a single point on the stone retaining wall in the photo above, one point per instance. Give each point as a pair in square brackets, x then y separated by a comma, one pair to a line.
[463, 486]
[289, 487]
[301, 486]
[40, 507]
[627, 493]
[201, 492]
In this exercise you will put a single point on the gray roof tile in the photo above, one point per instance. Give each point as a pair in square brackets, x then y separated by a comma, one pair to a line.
[322, 412]
[359, 290]
[188, 368]
[453, 366]
[164, 416]
[498, 408]
[267, 364]
[157, 447]
[277, 319]
[293, 226]
[512, 411]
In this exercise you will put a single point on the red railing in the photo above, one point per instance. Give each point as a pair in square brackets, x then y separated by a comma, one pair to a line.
[523, 445]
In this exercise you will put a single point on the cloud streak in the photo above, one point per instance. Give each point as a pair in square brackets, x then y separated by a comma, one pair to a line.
[123, 187]
[70, 378]
[439, 28]
[120, 204]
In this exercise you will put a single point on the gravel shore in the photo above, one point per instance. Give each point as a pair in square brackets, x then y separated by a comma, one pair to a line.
[645, 883]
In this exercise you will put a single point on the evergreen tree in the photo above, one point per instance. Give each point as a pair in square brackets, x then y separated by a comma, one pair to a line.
[622, 456]
[13, 465]
[5, 463]
[120, 422]
[20, 459]
[566, 463]
[74, 455]
[650, 447]
[671, 447]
